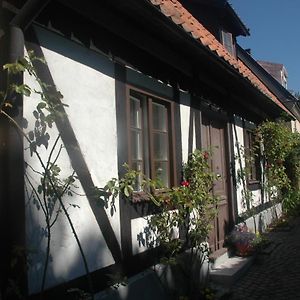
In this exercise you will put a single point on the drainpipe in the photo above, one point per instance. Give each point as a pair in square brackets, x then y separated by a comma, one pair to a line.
[28, 13]
[13, 158]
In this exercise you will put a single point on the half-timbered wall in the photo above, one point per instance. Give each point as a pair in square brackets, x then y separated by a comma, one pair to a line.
[85, 78]
[265, 213]
[95, 89]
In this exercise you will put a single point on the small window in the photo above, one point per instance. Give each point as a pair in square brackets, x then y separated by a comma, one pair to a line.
[150, 137]
[252, 160]
[227, 41]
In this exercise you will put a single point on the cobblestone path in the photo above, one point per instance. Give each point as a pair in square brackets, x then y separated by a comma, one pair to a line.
[276, 275]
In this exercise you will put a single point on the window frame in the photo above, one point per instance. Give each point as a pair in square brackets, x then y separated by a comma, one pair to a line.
[224, 34]
[147, 134]
[255, 181]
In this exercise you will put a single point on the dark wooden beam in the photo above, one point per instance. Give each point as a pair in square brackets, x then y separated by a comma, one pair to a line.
[102, 15]
[28, 13]
[77, 159]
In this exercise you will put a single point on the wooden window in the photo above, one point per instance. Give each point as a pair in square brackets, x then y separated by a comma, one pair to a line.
[227, 41]
[252, 160]
[150, 137]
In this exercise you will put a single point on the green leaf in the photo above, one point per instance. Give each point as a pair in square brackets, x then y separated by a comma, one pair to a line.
[14, 68]
[126, 192]
[22, 89]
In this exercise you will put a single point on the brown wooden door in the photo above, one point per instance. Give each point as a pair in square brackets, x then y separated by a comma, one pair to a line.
[213, 138]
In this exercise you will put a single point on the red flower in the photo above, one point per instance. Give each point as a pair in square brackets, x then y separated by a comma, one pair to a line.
[185, 183]
[206, 155]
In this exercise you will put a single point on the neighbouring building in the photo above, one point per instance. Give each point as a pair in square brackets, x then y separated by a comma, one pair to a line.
[278, 71]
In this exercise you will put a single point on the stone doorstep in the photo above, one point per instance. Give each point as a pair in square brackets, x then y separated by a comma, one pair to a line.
[227, 270]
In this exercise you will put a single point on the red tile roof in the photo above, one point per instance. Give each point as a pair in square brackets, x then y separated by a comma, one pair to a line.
[180, 16]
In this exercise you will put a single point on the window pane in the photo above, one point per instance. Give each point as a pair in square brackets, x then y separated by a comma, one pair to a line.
[161, 172]
[160, 143]
[135, 113]
[138, 166]
[159, 116]
[228, 42]
[252, 160]
[136, 145]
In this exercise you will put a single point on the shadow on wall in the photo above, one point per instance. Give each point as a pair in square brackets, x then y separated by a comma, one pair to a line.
[102, 249]
[96, 234]
[65, 261]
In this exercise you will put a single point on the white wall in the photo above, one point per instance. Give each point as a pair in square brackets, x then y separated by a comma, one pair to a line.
[238, 141]
[143, 237]
[185, 111]
[85, 79]
[295, 126]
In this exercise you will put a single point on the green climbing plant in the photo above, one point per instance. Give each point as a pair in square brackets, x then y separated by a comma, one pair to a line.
[188, 208]
[243, 175]
[278, 142]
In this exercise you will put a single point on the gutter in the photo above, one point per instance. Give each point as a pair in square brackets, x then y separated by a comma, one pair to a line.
[285, 97]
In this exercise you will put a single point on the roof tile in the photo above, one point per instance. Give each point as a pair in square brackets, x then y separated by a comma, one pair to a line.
[180, 16]
[186, 26]
[205, 41]
[157, 2]
[168, 9]
[196, 33]
[177, 18]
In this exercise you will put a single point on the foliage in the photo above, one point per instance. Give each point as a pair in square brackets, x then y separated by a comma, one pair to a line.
[188, 208]
[278, 142]
[243, 175]
[128, 185]
[193, 204]
[260, 242]
[243, 242]
[278, 149]
[291, 203]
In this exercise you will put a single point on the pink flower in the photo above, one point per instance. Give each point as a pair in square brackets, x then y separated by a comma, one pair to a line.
[206, 155]
[185, 183]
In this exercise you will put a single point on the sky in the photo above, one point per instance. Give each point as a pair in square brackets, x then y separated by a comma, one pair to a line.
[274, 33]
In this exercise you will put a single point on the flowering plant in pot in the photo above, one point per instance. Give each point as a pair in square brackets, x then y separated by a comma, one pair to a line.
[240, 241]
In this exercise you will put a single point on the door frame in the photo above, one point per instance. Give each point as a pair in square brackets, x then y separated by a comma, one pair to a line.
[229, 158]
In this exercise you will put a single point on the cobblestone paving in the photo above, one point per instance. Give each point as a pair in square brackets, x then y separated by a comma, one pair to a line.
[274, 276]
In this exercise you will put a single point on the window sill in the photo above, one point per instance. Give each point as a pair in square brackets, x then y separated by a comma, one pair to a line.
[140, 197]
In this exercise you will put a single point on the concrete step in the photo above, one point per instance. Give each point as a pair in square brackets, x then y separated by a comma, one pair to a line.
[228, 270]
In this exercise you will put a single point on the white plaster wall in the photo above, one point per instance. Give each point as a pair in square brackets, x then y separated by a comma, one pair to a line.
[238, 141]
[185, 110]
[260, 221]
[143, 237]
[90, 94]
[295, 126]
